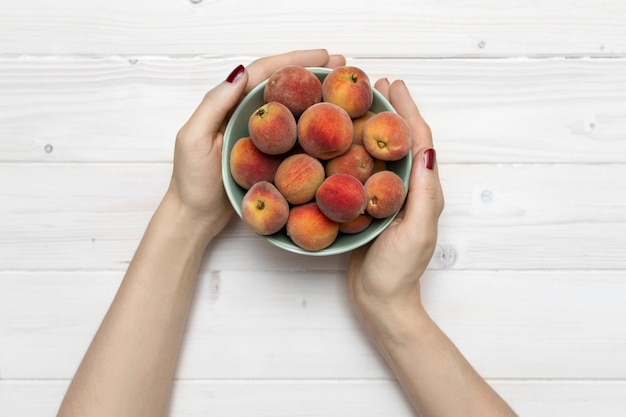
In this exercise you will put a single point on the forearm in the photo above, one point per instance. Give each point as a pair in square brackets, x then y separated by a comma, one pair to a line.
[129, 366]
[435, 376]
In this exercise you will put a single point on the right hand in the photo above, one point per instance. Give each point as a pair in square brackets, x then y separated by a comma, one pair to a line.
[196, 184]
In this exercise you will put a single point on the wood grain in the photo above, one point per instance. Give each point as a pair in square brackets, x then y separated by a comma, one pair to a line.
[512, 110]
[297, 325]
[393, 28]
[333, 398]
[91, 216]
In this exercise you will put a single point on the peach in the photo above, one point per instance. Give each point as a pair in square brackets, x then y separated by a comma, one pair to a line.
[356, 161]
[348, 87]
[310, 229]
[357, 225]
[386, 193]
[272, 128]
[294, 86]
[264, 208]
[325, 131]
[341, 198]
[298, 178]
[387, 136]
[357, 127]
[248, 165]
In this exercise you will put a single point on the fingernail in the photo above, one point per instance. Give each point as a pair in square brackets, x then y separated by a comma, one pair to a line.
[429, 158]
[236, 74]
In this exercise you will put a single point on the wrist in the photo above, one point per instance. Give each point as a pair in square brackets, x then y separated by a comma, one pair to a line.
[185, 223]
[397, 320]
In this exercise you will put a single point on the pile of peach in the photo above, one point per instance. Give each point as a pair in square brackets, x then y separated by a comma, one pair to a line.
[315, 159]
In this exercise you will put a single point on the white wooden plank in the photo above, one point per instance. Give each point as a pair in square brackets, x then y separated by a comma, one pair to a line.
[396, 27]
[534, 217]
[113, 109]
[91, 216]
[280, 325]
[96, 109]
[241, 398]
[331, 398]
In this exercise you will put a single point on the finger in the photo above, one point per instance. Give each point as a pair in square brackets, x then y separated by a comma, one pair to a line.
[401, 100]
[382, 85]
[209, 116]
[424, 202]
[335, 61]
[261, 69]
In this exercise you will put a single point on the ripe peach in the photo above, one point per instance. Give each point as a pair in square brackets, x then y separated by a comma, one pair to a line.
[294, 86]
[348, 87]
[357, 127]
[386, 193]
[356, 161]
[341, 197]
[325, 131]
[310, 229]
[357, 225]
[298, 177]
[248, 165]
[272, 128]
[264, 209]
[387, 136]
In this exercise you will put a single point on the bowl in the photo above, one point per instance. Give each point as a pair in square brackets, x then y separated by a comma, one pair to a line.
[237, 128]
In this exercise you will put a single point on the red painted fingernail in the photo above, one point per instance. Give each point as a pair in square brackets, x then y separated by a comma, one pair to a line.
[236, 74]
[429, 158]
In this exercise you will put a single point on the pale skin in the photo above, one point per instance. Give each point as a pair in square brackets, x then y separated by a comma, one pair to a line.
[130, 364]
[384, 289]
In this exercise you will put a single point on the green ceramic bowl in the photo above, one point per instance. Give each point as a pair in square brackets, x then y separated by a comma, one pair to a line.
[237, 128]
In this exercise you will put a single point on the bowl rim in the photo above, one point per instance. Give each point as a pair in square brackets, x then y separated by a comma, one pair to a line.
[337, 247]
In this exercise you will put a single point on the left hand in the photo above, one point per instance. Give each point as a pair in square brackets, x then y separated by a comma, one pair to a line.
[383, 277]
[196, 182]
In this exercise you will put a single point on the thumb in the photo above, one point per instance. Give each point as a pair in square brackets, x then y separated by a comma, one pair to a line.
[425, 201]
[209, 116]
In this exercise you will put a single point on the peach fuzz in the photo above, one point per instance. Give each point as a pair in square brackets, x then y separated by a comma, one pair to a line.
[387, 136]
[341, 198]
[248, 165]
[357, 127]
[348, 87]
[357, 225]
[272, 128]
[264, 209]
[356, 161]
[294, 86]
[386, 193]
[325, 131]
[298, 177]
[310, 229]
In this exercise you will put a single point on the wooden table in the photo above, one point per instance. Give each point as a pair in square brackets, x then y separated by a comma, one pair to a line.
[527, 102]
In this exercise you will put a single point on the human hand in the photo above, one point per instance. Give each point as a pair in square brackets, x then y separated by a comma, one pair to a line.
[196, 183]
[383, 277]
